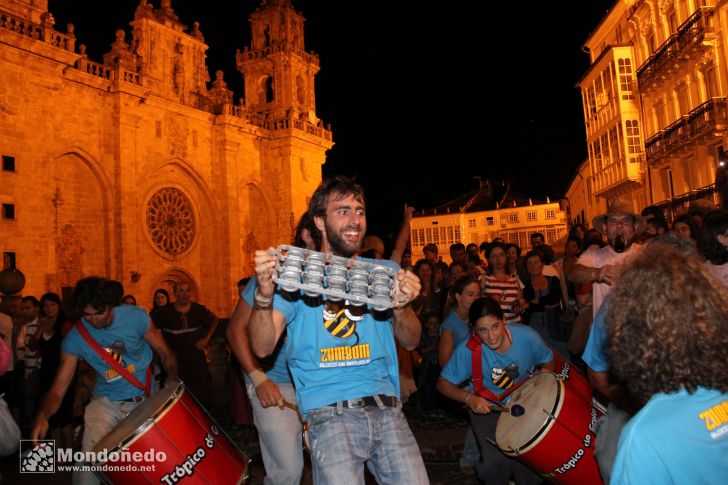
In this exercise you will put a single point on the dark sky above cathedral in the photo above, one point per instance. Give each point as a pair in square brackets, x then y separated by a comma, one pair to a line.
[421, 96]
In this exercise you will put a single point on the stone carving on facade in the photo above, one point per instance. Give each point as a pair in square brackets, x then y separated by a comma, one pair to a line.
[68, 255]
[249, 249]
[170, 221]
[121, 55]
[219, 94]
[666, 5]
[177, 135]
[196, 32]
[646, 26]
[178, 71]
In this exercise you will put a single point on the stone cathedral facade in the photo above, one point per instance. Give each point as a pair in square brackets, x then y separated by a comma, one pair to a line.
[141, 167]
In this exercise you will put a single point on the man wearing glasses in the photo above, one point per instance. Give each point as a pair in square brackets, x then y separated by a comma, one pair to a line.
[343, 358]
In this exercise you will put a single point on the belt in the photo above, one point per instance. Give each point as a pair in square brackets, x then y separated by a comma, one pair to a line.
[387, 401]
[138, 398]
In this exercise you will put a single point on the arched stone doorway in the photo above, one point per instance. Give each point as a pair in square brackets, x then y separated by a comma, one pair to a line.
[170, 278]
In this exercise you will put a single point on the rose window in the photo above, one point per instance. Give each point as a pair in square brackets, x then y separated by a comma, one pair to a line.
[171, 221]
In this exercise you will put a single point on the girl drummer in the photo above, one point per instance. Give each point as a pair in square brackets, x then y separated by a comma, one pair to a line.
[509, 354]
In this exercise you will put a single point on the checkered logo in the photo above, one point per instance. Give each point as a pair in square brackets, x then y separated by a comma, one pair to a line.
[38, 458]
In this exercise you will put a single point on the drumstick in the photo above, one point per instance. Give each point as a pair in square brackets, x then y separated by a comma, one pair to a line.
[515, 410]
[290, 406]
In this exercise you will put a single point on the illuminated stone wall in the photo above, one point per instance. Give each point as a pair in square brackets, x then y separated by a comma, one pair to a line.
[141, 169]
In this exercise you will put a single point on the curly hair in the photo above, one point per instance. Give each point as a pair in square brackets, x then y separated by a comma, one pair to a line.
[668, 324]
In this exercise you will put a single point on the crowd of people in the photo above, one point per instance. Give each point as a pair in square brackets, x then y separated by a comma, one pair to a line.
[640, 307]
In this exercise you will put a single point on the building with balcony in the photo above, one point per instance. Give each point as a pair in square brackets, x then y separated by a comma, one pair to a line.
[484, 215]
[140, 168]
[654, 102]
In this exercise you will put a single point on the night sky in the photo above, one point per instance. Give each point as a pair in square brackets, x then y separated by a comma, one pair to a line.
[421, 96]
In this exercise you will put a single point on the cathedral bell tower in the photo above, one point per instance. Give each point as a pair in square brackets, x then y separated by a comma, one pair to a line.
[278, 72]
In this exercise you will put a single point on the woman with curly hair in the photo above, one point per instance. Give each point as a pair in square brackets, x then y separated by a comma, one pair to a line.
[668, 333]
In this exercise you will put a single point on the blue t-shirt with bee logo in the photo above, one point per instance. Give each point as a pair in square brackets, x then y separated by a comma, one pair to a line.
[124, 341]
[500, 371]
[337, 351]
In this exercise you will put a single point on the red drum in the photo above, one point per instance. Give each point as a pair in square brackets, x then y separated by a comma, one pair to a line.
[168, 439]
[555, 436]
[574, 379]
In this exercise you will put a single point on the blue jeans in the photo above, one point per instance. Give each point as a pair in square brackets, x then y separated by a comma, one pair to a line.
[100, 417]
[279, 433]
[343, 439]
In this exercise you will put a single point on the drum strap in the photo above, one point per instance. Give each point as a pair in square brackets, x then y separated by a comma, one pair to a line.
[115, 364]
[476, 349]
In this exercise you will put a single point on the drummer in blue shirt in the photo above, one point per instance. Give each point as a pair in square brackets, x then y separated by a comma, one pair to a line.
[509, 354]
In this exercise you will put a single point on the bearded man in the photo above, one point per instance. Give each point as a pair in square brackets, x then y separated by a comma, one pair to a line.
[600, 266]
[343, 359]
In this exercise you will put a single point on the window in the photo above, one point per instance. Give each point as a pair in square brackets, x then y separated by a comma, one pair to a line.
[428, 234]
[633, 136]
[421, 232]
[269, 95]
[650, 43]
[710, 84]
[550, 214]
[682, 99]
[8, 211]
[8, 163]
[625, 78]
[471, 222]
[513, 217]
[8, 260]
[531, 215]
[415, 239]
[489, 221]
[672, 20]
[458, 237]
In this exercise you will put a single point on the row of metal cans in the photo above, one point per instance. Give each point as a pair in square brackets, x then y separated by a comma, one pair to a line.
[316, 273]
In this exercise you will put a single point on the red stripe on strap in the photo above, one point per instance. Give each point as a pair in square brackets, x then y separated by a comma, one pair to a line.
[113, 363]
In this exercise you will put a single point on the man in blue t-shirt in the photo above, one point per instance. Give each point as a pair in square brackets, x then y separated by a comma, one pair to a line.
[342, 357]
[509, 355]
[126, 333]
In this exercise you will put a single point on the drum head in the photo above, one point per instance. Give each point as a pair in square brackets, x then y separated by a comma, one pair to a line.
[140, 418]
[540, 397]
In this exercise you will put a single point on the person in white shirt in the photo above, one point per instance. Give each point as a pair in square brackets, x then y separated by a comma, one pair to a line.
[600, 266]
